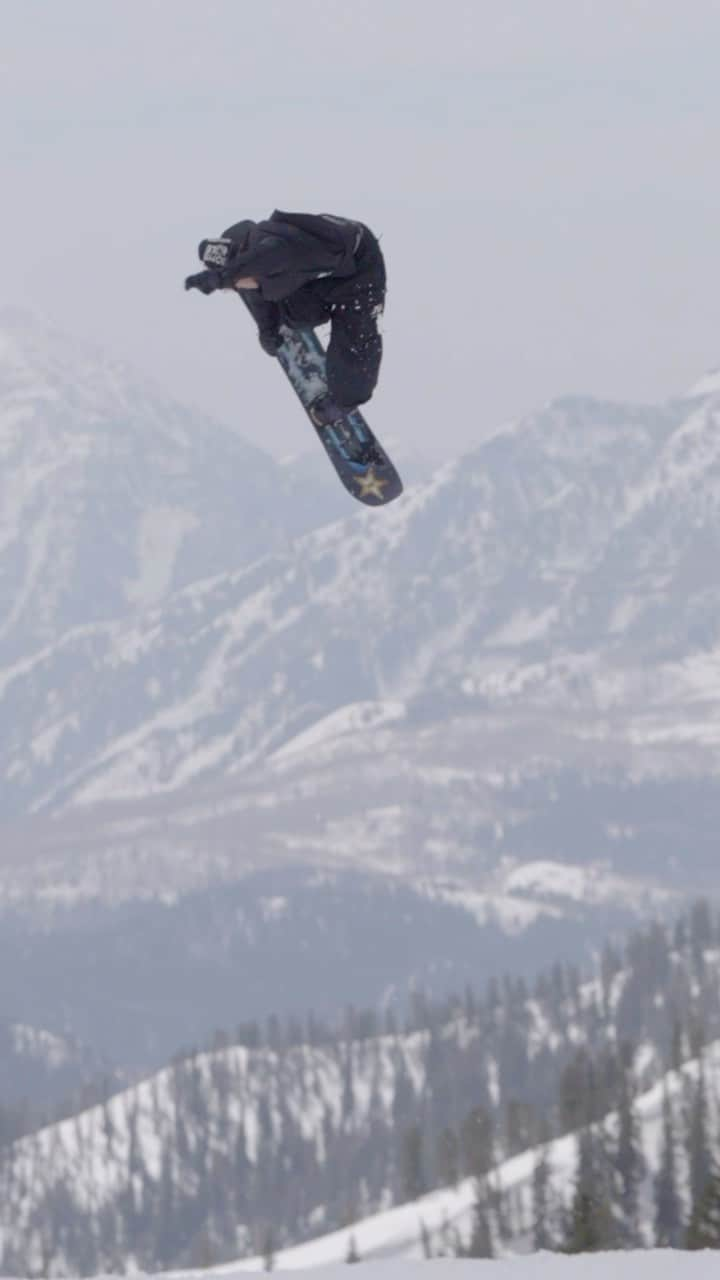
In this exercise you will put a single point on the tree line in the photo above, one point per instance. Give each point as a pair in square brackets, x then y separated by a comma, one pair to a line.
[277, 1132]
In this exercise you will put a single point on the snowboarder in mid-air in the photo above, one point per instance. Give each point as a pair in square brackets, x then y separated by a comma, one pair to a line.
[302, 270]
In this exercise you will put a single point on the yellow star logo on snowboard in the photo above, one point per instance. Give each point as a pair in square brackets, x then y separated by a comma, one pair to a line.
[371, 485]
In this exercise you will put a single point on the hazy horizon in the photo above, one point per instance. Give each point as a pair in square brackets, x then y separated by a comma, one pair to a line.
[541, 178]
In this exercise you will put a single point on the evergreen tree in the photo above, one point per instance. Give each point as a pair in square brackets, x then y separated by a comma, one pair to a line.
[680, 934]
[480, 1244]
[520, 1126]
[449, 1245]
[698, 1152]
[591, 1226]
[412, 1171]
[470, 1004]
[390, 1020]
[202, 1253]
[477, 1142]
[668, 1210]
[348, 1093]
[704, 1228]
[701, 931]
[352, 1254]
[677, 1047]
[447, 1159]
[268, 1249]
[493, 994]
[698, 1035]
[578, 1092]
[540, 1201]
[628, 1162]
[610, 965]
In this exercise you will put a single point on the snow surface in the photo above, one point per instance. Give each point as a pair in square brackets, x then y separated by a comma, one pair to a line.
[653, 1264]
[160, 535]
[396, 1232]
[297, 646]
[348, 719]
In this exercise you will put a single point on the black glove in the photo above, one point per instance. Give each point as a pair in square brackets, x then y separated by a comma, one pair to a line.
[206, 281]
[270, 340]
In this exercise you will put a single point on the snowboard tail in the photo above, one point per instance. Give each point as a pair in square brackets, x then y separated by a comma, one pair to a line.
[359, 459]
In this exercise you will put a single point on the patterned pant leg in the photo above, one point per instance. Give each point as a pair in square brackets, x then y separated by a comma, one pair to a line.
[355, 349]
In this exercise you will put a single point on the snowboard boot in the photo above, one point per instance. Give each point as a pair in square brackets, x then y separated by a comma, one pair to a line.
[353, 440]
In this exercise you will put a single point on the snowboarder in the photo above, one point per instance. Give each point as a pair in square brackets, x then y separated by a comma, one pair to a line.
[302, 270]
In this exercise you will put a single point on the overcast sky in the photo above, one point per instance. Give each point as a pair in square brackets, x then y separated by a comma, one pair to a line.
[544, 176]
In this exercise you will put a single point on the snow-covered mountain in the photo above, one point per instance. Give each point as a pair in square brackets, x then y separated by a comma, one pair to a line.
[565, 570]
[435, 1224]
[489, 711]
[40, 1069]
[222, 951]
[648, 1264]
[401, 857]
[440, 1221]
[308, 1129]
[112, 494]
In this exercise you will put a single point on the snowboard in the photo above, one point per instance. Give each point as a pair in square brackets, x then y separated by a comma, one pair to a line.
[357, 456]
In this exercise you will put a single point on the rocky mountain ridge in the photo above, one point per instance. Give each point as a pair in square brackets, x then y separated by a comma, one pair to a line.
[495, 701]
[565, 567]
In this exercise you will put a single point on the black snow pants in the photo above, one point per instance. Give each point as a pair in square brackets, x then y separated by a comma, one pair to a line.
[353, 307]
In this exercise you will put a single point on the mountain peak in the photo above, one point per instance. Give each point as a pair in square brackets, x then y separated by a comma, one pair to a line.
[111, 491]
[42, 365]
[708, 385]
[29, 336]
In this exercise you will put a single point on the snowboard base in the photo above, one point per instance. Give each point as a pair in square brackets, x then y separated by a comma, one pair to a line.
[359, 459]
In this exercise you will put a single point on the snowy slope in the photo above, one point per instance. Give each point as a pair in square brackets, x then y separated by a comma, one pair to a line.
[75, 1154]
[469, 803]
[500, 695]
[112, 494]
[308, 1133]
[434, 851]
[222, 947]
[665, 1264]
[565, 569]
[396, 1233]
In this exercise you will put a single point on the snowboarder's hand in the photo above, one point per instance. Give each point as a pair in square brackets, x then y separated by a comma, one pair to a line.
[206, 281]
[270, 340]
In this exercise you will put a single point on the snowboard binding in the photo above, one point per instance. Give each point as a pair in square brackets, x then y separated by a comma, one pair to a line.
[324, 412]
[354, 443]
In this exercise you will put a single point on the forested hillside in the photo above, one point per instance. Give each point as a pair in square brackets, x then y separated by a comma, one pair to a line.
[312, 1128]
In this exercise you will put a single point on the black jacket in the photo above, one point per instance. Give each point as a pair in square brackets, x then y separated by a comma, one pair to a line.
[288, 250]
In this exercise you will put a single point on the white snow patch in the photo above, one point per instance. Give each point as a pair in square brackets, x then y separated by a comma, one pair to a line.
[709, 385]
[522, 627]
[44, 745]
[593, 883]
[655, 1264]
[512, 915]
[42, 1045]
[625, 613]
[353, 718]
[160, 536]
